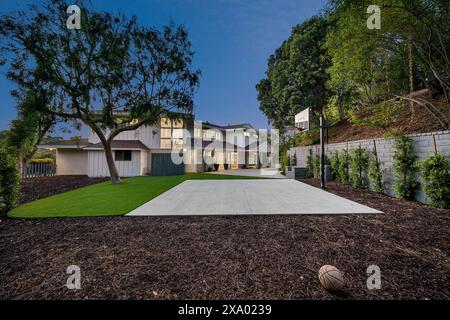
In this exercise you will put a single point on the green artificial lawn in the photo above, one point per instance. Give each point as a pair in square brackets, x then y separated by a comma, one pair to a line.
[106, 199]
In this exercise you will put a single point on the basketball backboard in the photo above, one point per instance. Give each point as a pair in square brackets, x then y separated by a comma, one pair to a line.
[302, 120]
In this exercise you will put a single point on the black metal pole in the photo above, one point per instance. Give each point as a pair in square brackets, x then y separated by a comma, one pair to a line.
[322, 153]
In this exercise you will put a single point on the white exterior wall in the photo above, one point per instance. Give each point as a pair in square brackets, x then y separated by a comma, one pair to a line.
[71, 162]
[144, 163]
[148, 135]
[97, 166]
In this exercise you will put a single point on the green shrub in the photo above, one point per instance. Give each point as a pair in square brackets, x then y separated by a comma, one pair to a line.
[309, 165]
[284, 161]
[293, 159]
[343, 167]
[9, 180]
[378, 116]
[43, 160]
[374, 173]
[335, 162]
[316, 164]
[360, 161]
[306, 138]
[436, 180]
[404, 168]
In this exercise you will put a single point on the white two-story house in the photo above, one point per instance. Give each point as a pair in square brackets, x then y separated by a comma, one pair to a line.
[148, 150]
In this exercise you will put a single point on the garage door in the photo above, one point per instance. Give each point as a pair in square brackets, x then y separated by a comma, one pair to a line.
[162, 165]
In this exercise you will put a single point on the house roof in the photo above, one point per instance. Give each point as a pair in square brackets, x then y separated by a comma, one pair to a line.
[119, 145]
[65, 144]
[238, 126]
[234, 126]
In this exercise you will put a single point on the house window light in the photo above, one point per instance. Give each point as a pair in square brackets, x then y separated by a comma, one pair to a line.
[177, 144]
[166, 133]
[166, 144]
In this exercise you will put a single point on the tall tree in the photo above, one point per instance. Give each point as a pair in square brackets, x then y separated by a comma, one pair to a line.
[113, 74]
[297, 74]
[409, 52]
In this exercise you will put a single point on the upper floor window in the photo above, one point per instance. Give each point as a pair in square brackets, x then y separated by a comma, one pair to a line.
[171, 133]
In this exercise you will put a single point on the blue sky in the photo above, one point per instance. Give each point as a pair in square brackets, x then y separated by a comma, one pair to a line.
[232, 40]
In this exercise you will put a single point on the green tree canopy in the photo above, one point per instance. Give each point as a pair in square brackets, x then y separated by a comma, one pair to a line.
[409, 52]
[297, 74]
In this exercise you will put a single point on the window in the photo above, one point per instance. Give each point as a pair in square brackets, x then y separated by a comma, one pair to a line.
[166, 144]
[166, 133]
[177, 134]
[123, 155]
[171, 134]
[177, 144]
[178, 123]
[165, 123]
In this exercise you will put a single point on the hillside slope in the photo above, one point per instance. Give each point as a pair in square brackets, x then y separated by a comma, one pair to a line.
[405, 123]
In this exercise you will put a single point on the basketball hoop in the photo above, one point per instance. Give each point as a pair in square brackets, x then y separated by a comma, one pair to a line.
[302, 120]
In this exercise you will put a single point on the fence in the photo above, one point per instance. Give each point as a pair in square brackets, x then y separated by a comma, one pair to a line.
[35, 170]
[424, 145]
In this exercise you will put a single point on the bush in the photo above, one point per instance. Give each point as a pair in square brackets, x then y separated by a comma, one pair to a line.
[306, 138]
[316, 164]
[378, 116]
[43, 160]
[359, 165]
[335, 161]
[9, 180]
[309, 165]
[284, 161]
[404, 168]
[436, 180]
[294, 160]
[343, 167]
[375, 175]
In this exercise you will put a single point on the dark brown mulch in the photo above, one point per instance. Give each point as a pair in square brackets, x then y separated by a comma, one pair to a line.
[37, 188]
[251, 257]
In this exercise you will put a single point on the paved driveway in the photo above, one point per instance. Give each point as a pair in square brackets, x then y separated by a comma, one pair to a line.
[247, 197]
[264, 173]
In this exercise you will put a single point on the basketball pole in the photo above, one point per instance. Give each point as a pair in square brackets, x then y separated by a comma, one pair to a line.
[322, 152]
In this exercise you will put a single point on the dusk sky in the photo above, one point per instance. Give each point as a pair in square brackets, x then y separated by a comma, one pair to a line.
[232, 40]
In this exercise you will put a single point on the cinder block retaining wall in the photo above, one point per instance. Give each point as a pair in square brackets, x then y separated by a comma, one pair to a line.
[423, 148]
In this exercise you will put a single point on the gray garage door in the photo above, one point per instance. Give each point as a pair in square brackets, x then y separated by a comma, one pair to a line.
[162, 165]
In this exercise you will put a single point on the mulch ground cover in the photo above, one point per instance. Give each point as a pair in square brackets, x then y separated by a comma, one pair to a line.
[37, 188]
[248, 257]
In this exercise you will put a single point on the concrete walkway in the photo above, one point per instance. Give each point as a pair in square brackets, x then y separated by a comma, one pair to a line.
[264, 173]
[247, 197]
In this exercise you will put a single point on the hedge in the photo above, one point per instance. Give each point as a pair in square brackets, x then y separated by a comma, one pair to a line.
[9, 180]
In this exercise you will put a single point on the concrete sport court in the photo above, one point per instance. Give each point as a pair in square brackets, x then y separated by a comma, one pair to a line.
[247, 197]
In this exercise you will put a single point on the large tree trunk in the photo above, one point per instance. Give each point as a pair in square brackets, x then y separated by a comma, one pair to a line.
[20, 162]
[411, 78]
[115, 179]
[114, 175]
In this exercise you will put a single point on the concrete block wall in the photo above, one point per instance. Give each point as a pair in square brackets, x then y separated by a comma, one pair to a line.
[422, 144]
